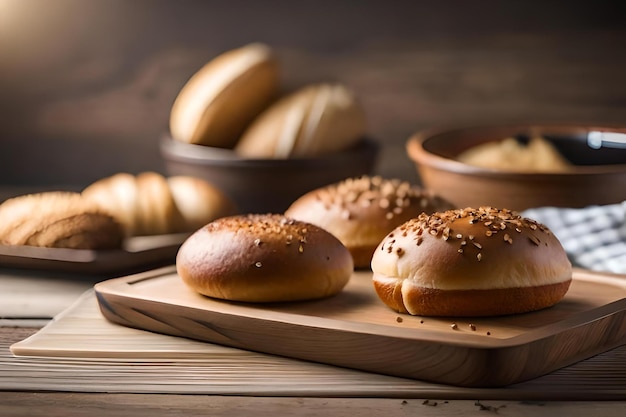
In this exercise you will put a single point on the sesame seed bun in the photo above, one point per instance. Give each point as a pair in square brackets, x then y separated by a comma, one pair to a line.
[263, 258]
[360, 212]
[470, 262]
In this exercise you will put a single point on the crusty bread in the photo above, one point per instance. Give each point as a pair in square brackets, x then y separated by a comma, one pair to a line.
[57, 220]
[151, 204]
[314, 120]
[198, 201]
[263, 258]
[221, 99]
[361, 211]
[470, 262]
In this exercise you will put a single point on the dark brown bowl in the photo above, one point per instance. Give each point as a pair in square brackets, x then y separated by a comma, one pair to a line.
[266, 185]
[598, 176]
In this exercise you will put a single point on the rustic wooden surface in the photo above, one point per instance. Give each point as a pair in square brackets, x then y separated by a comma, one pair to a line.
[70, 404]
[354, 329]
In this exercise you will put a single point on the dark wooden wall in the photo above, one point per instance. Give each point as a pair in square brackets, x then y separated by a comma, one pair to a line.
[86, 85]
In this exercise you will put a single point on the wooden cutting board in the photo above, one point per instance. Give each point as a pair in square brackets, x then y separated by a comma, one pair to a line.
[355, 330]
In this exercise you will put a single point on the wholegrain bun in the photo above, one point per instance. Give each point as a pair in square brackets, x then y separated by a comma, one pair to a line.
[221, 99]
[470, 262]
[57, 219]
[360, 212]
[314, 120]
[151, 204]
[263, 258]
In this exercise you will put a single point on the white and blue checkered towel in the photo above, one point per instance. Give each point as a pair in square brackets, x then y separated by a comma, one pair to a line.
[593, 237]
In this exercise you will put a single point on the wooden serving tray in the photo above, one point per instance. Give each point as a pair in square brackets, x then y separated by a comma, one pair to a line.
[356, 330]
[139, 253]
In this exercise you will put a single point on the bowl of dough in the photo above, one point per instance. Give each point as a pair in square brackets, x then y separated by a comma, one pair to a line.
[233, 125]
[523, 166]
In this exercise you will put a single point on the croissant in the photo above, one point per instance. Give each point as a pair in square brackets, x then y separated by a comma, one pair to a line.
[151, 204]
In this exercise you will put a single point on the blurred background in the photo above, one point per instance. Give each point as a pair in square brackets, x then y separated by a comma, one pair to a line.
[86, 86]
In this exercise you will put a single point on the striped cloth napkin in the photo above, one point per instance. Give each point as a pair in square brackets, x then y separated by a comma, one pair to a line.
[594, 237]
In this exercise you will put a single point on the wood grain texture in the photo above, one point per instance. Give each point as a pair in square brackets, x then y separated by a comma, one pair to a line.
[96, 97]
[80, 351]
[29, 404]
[355, 330]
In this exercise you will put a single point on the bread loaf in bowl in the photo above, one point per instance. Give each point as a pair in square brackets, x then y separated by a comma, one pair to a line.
[57, 219]
[224, 96]
[470, 262]
[361, 211]
[314, 120]
[263, 258]
[151, 204]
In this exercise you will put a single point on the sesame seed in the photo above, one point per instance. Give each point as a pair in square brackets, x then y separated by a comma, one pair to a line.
[258, 264]
[479, 257]
[472, 327]
[399, 319]
[478, 245]
[454, 326]
[257, 242]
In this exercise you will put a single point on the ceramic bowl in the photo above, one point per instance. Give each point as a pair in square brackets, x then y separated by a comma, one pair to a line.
[598, 175]
[266, 185]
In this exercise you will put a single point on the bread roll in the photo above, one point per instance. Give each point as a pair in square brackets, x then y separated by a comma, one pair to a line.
[199, 202]
[470, 262]
[314, 120]
[57, 220]
[538, 155]
[221, 99]
[361, 211]
[151, 204]
[263, 258]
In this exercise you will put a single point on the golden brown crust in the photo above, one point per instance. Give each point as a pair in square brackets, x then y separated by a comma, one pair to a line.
[199, 202]
[223, 97]
[150, 204]
[58, 220]
[422, 301]
[263, 258]
[314, 120]
[156, 212]
[360, 212]
[474, 253]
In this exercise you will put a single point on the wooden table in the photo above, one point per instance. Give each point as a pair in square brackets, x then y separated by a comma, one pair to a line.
[102, 404]
[29, 403]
